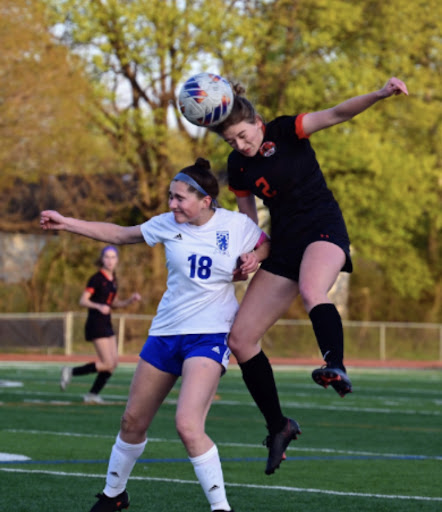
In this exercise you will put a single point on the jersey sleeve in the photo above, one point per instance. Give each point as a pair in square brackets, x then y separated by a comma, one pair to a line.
[251, 233]
[92, 284]
[299, 130]
[153, 230]
[287, 126]
[234, 174]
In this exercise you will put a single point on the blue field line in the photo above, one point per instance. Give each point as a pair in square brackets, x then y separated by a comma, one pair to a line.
[233, 459]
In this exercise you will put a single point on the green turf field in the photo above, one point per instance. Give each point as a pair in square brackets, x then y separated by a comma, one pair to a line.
[379, 449]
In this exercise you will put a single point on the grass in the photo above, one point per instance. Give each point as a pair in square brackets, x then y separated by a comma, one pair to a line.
[379, 449]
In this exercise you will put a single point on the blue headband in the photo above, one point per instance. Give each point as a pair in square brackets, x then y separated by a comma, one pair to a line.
[109, 248]
[190, 181]
[181, 176]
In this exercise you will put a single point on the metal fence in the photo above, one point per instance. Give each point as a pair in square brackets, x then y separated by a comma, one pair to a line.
[383, 341]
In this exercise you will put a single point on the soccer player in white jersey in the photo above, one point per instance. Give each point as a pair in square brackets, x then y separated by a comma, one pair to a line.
[188, 336]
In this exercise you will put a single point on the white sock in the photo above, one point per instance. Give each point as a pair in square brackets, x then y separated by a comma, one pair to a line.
[210, 475]
[121, 462]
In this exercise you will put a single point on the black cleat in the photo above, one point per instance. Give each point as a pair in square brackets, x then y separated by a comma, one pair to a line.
[334, 377]
[278, 443]
[106, 504]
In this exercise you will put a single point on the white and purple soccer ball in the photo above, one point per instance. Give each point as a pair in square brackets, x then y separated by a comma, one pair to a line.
[206, 99]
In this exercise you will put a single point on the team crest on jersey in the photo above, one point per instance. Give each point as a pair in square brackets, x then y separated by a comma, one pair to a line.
[267, 148]
[222, 241]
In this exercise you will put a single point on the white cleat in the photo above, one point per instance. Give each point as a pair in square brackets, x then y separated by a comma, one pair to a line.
[66, 376]
[92, 398]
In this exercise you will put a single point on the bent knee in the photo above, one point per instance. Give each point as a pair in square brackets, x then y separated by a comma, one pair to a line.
[311, 295]
[188, 430]
[233, 341]
[109, 366]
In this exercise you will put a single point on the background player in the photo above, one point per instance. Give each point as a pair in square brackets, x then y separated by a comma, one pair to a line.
[100, 297]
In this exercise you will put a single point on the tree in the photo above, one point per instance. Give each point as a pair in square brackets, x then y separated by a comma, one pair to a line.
[293, 56]
[141, 51]
[44, 98]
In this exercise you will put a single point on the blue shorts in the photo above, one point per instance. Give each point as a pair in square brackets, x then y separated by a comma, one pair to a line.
[168, 353]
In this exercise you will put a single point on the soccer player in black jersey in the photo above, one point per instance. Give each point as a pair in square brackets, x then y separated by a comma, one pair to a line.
[309, 244]
[100, 296]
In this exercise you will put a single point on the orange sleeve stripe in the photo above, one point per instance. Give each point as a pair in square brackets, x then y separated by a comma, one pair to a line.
[240, 193]
[90, 290]
[299, 130]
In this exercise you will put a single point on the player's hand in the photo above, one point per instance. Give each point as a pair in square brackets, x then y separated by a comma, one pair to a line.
[393, 86]
[50, 219]
[135, 297]
[246, 264]
[104, 309]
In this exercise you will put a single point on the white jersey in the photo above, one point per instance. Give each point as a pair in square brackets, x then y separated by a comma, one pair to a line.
[200, 296]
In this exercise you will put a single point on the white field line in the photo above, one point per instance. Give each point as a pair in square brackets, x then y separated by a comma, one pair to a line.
[246, 486]
[329, 451]
[117, 399]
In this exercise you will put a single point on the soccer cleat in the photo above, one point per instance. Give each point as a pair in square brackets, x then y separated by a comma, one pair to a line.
[66, 376]
[92, 398]
[106, 504]
[335, 377]
[218, 510]
[278, 443]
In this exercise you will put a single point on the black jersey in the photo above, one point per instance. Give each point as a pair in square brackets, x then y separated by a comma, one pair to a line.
[286, 175]
[103, 291]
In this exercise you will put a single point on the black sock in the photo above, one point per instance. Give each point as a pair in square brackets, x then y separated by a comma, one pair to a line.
[100, 382]
[327, 325]
[258, 376]
[84, 370]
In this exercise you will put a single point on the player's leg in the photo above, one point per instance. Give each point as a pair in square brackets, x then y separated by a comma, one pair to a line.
[199, 384]
[149, 388]
[320, 267]
[267, 298]
[106, 349]
[107, 353]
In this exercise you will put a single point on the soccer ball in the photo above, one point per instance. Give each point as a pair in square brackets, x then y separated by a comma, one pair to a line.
[206, 99]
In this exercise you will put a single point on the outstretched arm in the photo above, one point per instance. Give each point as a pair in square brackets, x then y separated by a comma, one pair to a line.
[102, 231]
[315, 121]
[118, 303]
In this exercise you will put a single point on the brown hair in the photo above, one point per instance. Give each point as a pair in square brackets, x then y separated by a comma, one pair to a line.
[242, 110]
[200, 172]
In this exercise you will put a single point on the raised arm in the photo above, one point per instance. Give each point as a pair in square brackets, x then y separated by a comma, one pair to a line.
[102, 231]
[315, 121]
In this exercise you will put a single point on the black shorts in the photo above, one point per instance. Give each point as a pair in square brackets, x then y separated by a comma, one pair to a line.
[98, 326]
[286, 255]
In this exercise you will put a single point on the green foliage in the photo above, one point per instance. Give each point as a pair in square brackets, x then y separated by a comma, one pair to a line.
[44, 97]
[384, 167]
[137, 53]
